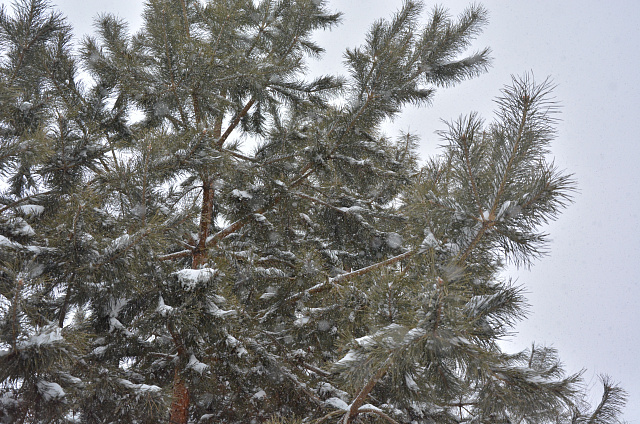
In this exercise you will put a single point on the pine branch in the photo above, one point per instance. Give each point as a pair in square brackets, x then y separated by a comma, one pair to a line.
[235, 122]
[25, 199]
[516, 144]
[486, 226]
[173, 86]
[175, 255]
[474, 187]
[52, 25]
[364, 392]
[613, 400]
[381, 264]
[319, 201]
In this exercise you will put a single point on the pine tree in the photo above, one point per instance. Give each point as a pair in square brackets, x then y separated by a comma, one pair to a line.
[193, 231]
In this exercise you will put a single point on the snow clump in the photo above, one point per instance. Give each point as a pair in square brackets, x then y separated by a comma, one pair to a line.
[190, 278]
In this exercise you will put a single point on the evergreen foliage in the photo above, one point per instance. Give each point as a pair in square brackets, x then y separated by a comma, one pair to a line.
[154, 269]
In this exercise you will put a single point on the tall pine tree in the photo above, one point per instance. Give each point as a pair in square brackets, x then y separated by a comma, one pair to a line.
[191, 230]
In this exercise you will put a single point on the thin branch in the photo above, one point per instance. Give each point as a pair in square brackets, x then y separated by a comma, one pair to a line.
[332, 282]
[378, 412]
[316, 200]
[312, 290]
[139, 237]
[235, 122]
[329, 415]
[24, 199]
[232, 228]
[183, 115]
[485, 226]
[316, 370]
[518, 140]
[362, 271]
[239, 155]
[467, 161]
[184, 17]
[28, 46]
[359, 400]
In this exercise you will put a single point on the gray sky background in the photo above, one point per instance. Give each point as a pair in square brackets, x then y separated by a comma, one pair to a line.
[585, 295]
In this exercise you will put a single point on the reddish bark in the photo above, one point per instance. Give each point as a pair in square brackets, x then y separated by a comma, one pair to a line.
[200, 253]
[181, 398]
[180, 403]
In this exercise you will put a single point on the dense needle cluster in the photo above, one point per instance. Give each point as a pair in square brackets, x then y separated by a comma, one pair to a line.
[192, 230]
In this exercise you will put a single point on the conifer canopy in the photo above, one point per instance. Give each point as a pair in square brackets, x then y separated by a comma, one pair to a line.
[194, 230]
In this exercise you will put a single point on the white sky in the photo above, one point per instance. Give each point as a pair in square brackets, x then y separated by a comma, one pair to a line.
[584, 296]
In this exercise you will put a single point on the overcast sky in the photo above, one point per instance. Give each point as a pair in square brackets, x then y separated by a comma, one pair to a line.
[584, 296]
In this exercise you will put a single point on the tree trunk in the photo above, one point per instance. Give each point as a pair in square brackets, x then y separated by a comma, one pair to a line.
[181, 399]
[200, 256]
[180, 403]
